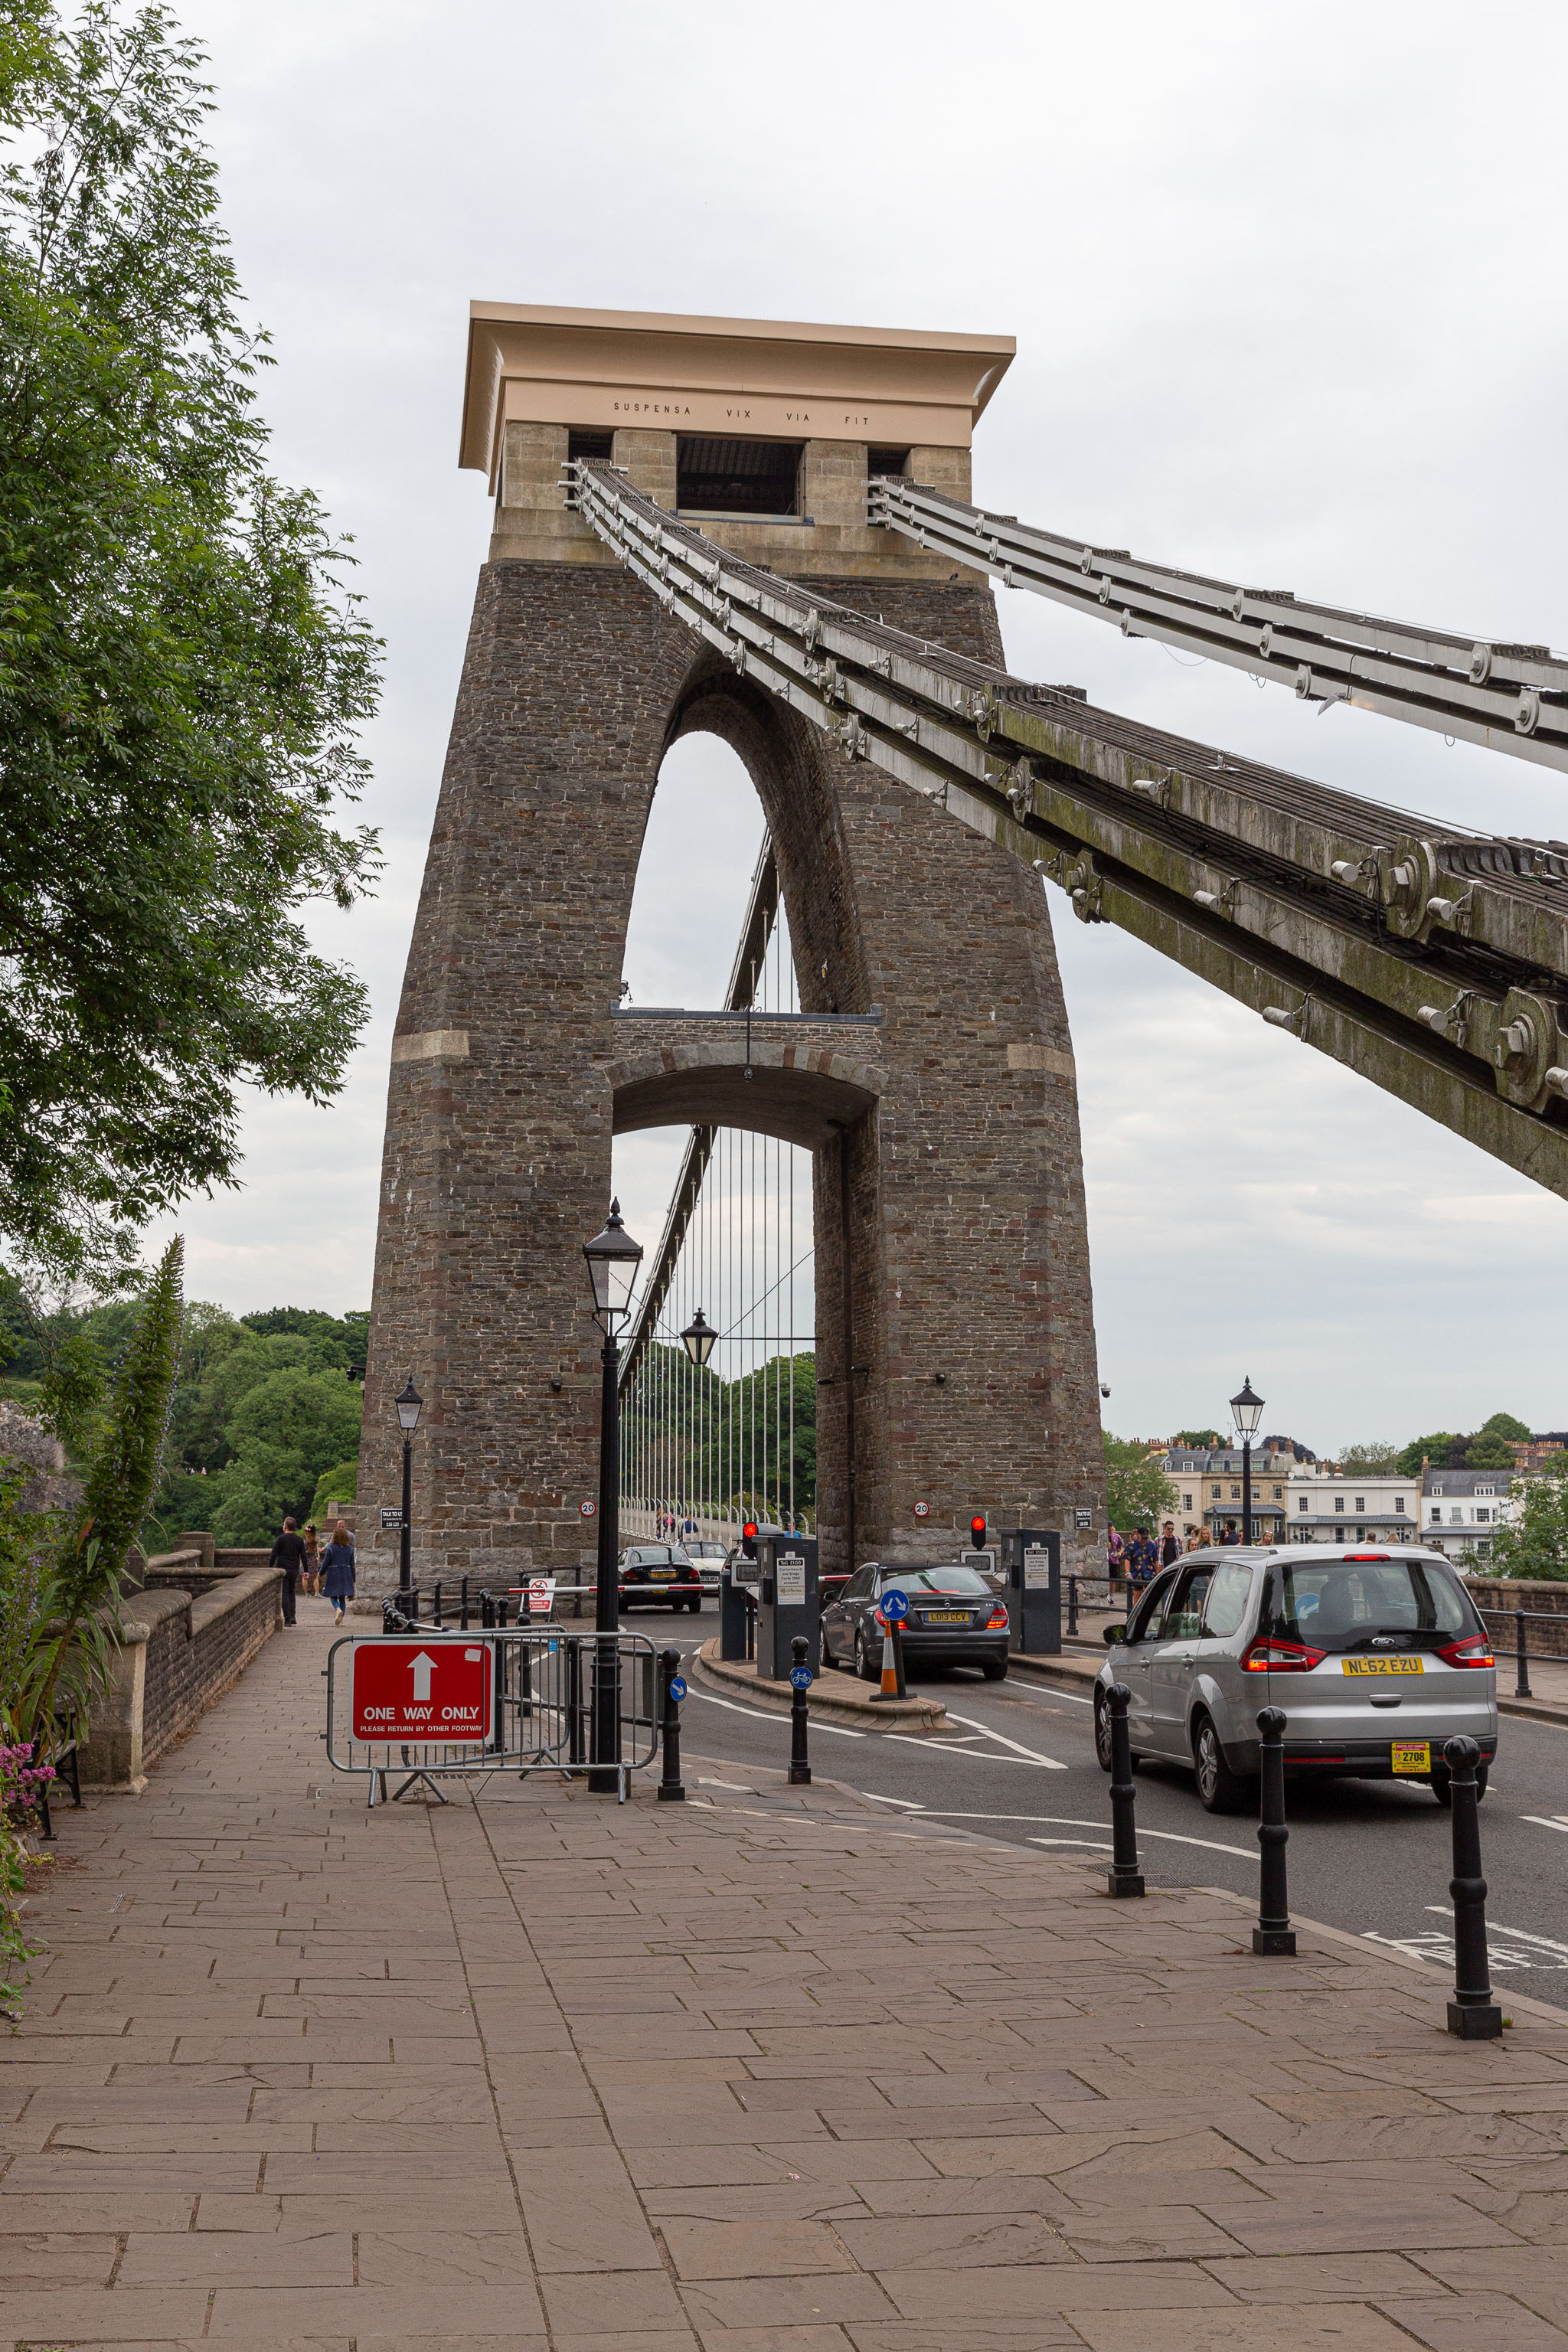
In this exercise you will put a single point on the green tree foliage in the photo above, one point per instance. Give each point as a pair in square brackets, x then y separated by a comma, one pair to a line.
[1372, 1457]
[258, 1417]
[732, 1439]
[1489, 1451]
[336, 1486]
[1137, 1492]
[1196, 1440]
[72, 1652]
[1536, 1544]
[1506, 1424]
[182, 673]
[1435, 1449]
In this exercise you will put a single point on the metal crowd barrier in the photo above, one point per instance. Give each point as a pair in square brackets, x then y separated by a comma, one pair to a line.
[540, 1700]
[455, 1605]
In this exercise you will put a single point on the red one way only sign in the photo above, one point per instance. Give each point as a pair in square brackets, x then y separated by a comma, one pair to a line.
[414, 1691]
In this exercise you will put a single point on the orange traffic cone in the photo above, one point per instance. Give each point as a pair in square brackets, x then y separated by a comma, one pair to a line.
[890, 1667]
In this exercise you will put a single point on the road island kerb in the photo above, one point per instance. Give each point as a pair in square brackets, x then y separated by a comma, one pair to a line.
[773, 2070]
[838, 1696]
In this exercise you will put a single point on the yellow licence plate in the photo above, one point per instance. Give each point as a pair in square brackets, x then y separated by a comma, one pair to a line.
[946, 1617]
[1412, 1756]
[1382, 1665]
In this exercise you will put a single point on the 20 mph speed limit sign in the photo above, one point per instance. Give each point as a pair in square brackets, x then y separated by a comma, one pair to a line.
[414, 1691]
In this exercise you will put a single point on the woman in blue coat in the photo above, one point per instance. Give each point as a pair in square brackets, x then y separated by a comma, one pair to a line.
[338, 1570]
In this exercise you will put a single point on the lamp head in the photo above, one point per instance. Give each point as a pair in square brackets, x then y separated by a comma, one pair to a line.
[1247, 1410]
[408, 1403]
[699, 1339]
[613, 1261]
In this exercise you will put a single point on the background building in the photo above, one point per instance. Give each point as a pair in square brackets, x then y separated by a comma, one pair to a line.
[1460, 1508]
[1329, 1506]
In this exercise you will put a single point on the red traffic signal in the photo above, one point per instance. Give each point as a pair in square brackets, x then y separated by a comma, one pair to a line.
[977, 1530]
[750, 1529]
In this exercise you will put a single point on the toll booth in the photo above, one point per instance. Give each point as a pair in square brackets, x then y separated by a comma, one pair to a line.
[786, 1604]
[1032, 1564]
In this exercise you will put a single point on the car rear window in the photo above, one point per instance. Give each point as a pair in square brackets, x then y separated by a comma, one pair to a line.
[1341, 1603]
[962, 1582]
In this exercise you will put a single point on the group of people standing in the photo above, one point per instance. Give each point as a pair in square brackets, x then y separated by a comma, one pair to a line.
[1138, 1556]
[327, 1569]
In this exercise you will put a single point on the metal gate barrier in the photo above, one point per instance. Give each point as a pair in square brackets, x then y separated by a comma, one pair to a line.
[527, 1697]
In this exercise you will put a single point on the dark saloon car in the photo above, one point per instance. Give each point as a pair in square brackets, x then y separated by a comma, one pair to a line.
[659, 1576]
[955, 1620]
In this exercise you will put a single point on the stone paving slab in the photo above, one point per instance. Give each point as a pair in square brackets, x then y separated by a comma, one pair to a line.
[766, 2074]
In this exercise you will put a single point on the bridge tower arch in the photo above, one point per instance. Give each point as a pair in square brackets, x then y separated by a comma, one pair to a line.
[935, 1084]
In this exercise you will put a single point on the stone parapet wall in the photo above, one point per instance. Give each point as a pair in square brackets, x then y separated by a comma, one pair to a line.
[182, 1651]
[1538, 1597]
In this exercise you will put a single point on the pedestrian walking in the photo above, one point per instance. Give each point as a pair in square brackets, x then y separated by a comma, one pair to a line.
[338, 1570]
[1229, 1534]
[312, 1558]
[1115, 1554]
[288, 1554]
[1170, 1549]
[1141, 1558]
[1197, 1539]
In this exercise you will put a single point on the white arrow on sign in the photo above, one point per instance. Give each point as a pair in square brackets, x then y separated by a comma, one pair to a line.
[421, 1668]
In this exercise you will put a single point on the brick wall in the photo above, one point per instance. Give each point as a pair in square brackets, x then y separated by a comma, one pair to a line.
[182, 1651]
[1541, 1596]
[967, 1250]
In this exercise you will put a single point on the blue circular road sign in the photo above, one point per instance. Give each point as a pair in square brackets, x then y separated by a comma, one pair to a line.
[678, 1687]
[894, 1604]
[801, 1677]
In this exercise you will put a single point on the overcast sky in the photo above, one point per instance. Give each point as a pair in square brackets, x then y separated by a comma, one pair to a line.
[1287, 287]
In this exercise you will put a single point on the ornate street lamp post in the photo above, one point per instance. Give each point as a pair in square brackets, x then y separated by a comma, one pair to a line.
[613, 1261]
[1247, 1412]
[697, 1339]
[408, 1408]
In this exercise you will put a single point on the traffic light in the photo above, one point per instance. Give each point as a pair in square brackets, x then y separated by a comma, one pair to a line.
[977, 1531]
[749, 1539]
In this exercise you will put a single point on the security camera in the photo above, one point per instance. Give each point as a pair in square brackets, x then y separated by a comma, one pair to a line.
[1103, 1389]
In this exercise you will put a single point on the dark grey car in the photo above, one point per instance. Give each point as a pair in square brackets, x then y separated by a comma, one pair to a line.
[1377, 1657]
[955, 1620]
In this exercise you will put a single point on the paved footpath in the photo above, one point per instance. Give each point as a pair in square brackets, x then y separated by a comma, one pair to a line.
[766, 2072]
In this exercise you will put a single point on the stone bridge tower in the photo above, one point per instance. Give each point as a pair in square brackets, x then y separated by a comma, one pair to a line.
[956, 1344]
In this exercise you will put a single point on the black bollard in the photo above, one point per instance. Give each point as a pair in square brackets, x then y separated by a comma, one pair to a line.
[487, 1608]
[1473, 2015]
[573, 1703]
[800, 1683]
[1072, 1604]
[463, 1621]
[436, 1616]
[1124, 1876]
[1273, 1936]
[899, 1657]
[1522, 1674]
[670, 1792]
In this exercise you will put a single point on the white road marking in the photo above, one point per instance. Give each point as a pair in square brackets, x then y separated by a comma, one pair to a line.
[1514, 1935]
[761, 1715]
[974, 1755]
[1557, 1822]
[1033, 1753]
[736, 1788]
[1071, 1822]
[906, 1804]
[1096, 1845]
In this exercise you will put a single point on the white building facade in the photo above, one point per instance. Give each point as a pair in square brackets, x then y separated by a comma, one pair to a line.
[1462, 1509]
[1337, 1506]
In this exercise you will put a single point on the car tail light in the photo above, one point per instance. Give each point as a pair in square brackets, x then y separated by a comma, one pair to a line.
[997, 1621]
[1269, 1657]
[1474, 1651]
[1365, 1555]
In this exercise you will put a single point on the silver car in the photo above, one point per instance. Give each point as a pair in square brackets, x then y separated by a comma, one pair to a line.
[1376, 1657]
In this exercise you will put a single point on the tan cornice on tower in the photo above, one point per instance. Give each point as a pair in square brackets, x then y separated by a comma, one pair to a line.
[755, 378]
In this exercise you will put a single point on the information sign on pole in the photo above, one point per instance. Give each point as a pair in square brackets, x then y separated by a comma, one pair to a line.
[678, 1687]
[541, 1595]
[894, 1605]
[391, 1517]
[1037, 1567]
[405, 1691]
[790, 1570]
